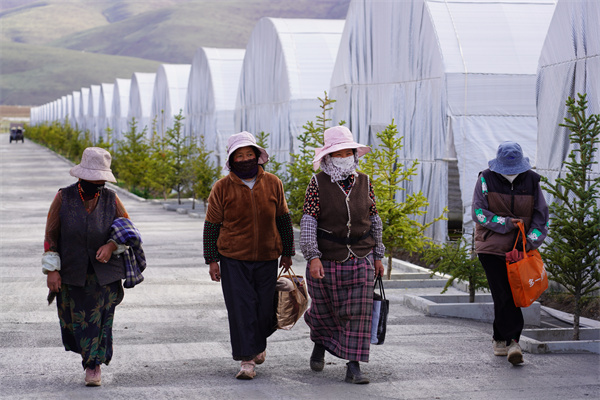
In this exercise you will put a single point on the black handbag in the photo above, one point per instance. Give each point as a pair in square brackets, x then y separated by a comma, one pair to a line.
[381, 306]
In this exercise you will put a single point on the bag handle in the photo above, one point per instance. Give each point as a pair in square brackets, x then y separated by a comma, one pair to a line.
[522, 234]
[379, 283]
[291, 273]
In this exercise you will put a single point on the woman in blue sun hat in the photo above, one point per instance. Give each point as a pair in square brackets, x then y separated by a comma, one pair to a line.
[506, 193]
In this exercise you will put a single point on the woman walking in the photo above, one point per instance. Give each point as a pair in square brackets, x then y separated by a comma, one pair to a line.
[506, 193]
[247, 228]
[79, 262]
[341, 240]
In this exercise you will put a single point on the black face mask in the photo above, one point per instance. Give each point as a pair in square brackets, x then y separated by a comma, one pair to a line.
[245, 169]
[90, 188]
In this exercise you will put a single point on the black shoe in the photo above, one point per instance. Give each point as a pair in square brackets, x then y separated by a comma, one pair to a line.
[317, 358]
[353, 374]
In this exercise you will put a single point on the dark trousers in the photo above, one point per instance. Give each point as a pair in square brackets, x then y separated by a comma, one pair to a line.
[508, 318]
[249, 292]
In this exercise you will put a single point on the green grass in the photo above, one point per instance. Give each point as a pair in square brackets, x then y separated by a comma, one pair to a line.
[34, 75]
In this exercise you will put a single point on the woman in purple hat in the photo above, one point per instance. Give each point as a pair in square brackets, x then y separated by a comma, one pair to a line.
[248, 227]
[79, 262]
[505, 193]
[341, 240]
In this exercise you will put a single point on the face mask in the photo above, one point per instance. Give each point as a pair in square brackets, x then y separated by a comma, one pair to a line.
[90, 188]
[343, 163]
[245, 169]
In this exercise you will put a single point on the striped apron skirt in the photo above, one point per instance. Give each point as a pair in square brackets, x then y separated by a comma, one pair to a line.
[339, 315]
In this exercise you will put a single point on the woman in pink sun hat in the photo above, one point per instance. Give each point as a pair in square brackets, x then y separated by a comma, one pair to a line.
[341, 238]
[248, 228]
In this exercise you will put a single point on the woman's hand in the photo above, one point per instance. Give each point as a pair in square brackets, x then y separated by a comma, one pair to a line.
[53, 281]
[378, 268]
[105, 252]
[214, 271]
[316, 268]
[285, 262]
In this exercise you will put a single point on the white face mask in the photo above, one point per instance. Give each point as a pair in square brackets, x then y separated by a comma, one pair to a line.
[343, 163]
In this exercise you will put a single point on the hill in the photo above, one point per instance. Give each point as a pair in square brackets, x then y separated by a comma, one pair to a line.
[34, 75]
[169, 31]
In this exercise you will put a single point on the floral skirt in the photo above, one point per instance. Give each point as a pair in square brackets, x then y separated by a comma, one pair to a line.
[86, 317]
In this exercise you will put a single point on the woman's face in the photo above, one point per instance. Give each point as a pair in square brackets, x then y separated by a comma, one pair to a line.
[342, 153]
[244, 154]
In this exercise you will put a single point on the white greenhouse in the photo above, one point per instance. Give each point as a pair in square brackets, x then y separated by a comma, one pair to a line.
[140, 100]
[288, 64]
[457, 77]
[168, 97]
[211, 95]
[569, 64]
[82, 119]
[92, 113]
[104, 119]
[120, 107]
[76, 98]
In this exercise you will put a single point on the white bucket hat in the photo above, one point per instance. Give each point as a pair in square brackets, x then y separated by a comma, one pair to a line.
[338, 138]
[244, 139]
[94, 166]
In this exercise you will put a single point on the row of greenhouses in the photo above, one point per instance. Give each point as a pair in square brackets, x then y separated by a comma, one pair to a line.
[457, 77]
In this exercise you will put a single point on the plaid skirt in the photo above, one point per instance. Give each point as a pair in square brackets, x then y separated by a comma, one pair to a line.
[86, 318]
[339, 315]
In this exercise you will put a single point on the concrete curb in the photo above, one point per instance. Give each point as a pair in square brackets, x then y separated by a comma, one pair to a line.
[557, 340]
[458, 306]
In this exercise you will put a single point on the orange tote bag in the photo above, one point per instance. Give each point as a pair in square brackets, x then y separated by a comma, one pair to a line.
[527, 277]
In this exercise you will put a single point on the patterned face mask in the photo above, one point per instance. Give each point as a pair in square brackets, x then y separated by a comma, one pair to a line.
[339, 170]
[344, 163]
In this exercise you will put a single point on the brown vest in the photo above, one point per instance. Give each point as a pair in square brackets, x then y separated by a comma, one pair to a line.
[344, 218]
[82, 234]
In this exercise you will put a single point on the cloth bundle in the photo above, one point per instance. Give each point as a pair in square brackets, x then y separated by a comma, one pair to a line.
[123, 232]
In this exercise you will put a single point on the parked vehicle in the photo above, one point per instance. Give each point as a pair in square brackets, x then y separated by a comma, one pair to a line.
[16, 133]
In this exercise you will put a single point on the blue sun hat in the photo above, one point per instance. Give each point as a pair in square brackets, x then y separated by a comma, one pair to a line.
[509, 159]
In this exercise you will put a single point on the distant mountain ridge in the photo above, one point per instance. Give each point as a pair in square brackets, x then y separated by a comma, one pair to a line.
[48, 47]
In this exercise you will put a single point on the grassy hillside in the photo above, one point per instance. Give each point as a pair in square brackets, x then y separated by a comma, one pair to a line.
[34, 75]
[35, 68]
[173, 34]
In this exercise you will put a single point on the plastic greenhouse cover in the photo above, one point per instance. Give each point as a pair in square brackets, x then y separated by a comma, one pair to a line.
[105, 108]
[457, 77]
[92, 114]
[83, 109]
[76, 97]
[140, 100]
[211, 96]
[168, 97]
[120, 107]
[569, 64]
[287, 66]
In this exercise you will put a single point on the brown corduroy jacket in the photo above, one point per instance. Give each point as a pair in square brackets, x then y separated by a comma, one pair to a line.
[247, 217]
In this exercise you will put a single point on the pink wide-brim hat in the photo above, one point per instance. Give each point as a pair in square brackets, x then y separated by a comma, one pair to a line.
[338, 138]
[94, 166]
[244, 139]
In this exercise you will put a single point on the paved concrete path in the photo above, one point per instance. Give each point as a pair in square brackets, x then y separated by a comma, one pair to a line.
[171, 334]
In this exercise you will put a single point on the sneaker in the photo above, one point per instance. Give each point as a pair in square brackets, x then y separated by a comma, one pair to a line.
[515, 355]
[92, 376]
[499, 347]
[247, 370]
[260, 358]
